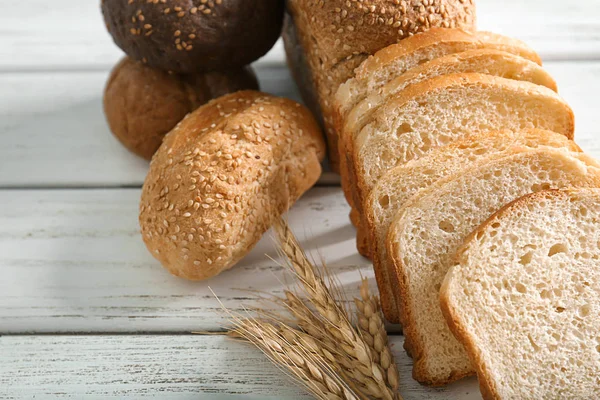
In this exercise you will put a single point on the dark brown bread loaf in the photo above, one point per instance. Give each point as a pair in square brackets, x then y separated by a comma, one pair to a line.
[222, 176]
[188, 36]
[143, 104]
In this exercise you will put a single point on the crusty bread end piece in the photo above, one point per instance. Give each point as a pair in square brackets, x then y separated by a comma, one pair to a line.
[524, 298]
[429, 229]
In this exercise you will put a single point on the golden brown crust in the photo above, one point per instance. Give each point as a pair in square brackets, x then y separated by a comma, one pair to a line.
[190, 36]
[337, 35]
[222, 176]
[143, 104]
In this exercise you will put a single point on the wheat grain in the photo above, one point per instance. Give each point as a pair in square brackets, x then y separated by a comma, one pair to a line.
[372, 328]
[299, 355]
[368, 373]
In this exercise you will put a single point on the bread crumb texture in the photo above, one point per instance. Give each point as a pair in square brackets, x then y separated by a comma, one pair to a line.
[222, 176]
[430, 228]
[524, 297]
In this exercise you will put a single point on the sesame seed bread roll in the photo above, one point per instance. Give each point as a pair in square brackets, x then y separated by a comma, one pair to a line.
[428, 230]
[524, 298]
[190, 36]
[440, 110]
[336, 36]
[399, 184]
[143, 104]
[222, 176]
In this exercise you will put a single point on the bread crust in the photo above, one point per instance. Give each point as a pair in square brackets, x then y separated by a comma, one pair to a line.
[143, 104]
[337, 35]
[222, 176]
[189, 36]
[487, 386]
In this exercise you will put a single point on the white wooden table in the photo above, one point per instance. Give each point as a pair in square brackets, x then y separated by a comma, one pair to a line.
[85, 312]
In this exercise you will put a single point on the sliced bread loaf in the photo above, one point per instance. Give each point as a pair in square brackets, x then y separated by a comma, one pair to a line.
[431, 226]
[399, 184]
[436, 112]
[397, 59]
[524, 298]
[486, 61]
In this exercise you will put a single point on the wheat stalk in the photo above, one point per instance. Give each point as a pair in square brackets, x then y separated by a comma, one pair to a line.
[299, 354]
[366, 371]
[372, 328]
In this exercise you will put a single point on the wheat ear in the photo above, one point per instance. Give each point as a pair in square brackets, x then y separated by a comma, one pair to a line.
[298, 355]
[337, 323]
[372, 328]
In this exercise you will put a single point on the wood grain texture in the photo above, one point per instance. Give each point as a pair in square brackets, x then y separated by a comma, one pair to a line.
[165, 367]
[74, 261]
[55, 135]
[70, 34]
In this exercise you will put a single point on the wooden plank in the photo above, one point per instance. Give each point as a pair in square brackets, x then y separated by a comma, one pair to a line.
[70, 34]
[558, 30]
[165, 367]
[73, 261]
[62, 35]
[54, 132]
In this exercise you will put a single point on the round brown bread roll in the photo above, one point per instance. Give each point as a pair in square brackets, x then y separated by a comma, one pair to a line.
[143, 104]
[188, 36]
[222, 176]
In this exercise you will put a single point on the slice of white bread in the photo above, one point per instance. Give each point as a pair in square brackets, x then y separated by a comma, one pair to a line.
[524, 298]
[440, 110]
[397, 59]
[394, 60]
[485, 61]
[399, 184]
[429, 229]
